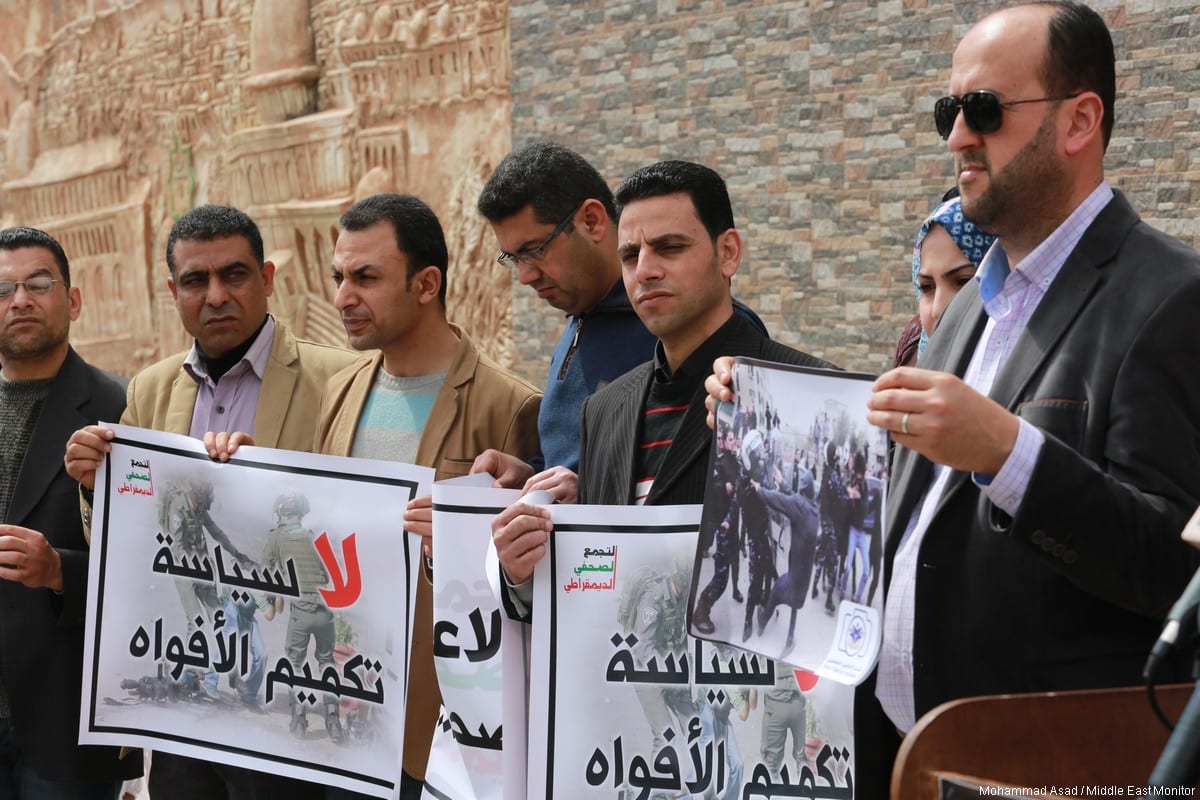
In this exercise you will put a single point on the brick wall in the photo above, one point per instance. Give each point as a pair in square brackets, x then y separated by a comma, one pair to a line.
[818, 115]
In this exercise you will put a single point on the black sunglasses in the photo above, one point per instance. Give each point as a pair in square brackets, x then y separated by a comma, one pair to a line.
[983, 111]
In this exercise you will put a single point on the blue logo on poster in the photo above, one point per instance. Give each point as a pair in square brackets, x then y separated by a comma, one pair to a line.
[855, 630]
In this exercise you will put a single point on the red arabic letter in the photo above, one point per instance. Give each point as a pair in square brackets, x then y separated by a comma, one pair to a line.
[345, 589]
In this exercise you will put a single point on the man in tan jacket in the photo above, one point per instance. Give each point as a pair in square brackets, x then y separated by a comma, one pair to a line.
[245, 372]
[428, 396]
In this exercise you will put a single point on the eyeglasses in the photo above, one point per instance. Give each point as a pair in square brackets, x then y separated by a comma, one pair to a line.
[536, 254]
[982, 111]
[38, 284]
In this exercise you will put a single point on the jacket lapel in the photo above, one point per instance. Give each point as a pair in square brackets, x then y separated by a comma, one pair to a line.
[181, 404]
[625, 430]
[445, 406]
[950, 350]
[279, 380]
[59, 418]
[1078, 279]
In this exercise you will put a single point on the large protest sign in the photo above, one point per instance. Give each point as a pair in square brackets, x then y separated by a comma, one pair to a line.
[478, 748]
[789, 559]
[253, 613]
[628, 705]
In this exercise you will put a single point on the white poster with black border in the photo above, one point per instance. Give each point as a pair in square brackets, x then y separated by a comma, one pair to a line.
[628, 705]
[255, 612]
[478, 748]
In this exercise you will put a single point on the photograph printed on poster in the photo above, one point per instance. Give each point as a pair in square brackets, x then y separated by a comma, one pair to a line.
[789, 558]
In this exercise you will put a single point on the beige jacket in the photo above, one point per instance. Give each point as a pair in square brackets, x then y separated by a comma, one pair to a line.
[162, 397]
[480, 406]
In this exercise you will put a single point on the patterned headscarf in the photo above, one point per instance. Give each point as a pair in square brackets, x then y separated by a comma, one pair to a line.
[973, 243]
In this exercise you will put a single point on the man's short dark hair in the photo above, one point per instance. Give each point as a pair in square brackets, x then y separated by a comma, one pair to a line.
[1080, 57]
[554, 179]
[209, 222]
[19, 238]
[703, 185]
[418, 232]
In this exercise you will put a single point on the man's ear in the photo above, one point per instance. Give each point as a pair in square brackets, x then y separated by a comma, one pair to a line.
[592, 220]
[428, 283]
[1085, 123]
[729, 252]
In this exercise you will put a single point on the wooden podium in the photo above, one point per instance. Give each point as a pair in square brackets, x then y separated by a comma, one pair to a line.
[1079, 741]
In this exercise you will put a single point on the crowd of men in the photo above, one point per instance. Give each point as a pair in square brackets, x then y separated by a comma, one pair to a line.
[1046, 455]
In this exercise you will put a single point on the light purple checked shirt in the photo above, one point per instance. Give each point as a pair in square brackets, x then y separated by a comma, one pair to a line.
[1008, 312]
[229, 405]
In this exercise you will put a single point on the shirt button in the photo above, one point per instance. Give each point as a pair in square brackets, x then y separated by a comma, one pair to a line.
[220, 409]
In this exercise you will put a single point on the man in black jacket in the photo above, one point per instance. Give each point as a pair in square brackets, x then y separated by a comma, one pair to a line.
[644, 438]
[46, 392]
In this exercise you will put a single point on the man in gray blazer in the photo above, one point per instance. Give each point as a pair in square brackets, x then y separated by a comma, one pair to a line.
[1050, 445]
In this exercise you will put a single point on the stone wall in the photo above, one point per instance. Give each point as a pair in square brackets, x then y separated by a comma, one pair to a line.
[818, 115]
[118, 115]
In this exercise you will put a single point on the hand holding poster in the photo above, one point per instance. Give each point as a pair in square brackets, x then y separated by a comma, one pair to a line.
[255, 612]
[796, 497]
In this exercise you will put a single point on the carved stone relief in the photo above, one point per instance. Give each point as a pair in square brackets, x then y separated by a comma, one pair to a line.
[118, 115]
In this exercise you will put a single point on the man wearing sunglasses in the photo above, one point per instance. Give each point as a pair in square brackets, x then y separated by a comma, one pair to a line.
[46, 392]
[1049, 452]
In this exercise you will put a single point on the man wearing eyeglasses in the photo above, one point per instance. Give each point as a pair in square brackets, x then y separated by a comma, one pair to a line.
[46, 392]
[644, 441]
[555, 221]
[1050, 449]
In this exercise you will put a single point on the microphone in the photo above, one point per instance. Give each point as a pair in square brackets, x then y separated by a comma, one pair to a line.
[1178, 766]
[1184, 611]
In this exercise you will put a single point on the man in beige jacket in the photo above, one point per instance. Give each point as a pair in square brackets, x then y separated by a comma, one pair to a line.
[427, 397]
[245, 372]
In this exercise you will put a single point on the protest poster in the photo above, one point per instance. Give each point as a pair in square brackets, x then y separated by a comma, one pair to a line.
[789, 557]
[254, 613]
[629, 706]
[478, 748]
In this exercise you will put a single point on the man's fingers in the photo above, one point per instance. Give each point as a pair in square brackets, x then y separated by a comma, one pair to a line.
[520, 533]
[418, 517]
[560, 482]
[488, 461]
[518, 510]
[908, 378]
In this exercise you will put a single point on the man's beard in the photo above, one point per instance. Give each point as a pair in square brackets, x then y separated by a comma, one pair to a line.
[1027, 192]
[33, 344]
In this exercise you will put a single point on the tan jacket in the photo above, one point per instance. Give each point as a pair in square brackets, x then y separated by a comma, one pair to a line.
[162, 397]
[480, 406]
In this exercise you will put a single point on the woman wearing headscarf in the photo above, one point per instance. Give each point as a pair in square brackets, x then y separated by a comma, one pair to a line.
[947, 253]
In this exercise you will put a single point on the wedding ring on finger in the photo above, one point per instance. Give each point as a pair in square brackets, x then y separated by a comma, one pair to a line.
[904, 423]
